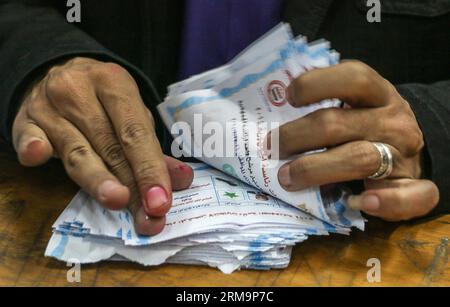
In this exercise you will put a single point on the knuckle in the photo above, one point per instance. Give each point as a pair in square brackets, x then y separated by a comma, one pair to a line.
[34, 108]
[415, 139]
[119, 93]
[147, 171]
[114, 68]
[114, 96]
[132, 133]
[391, 92]
[330, 123]
[79, 60]
[365, 158]
[358, 67]
[411, 139]
[113, 156]
[35, 92]
[98, 123]
[63, 83]
[416, 142]
[363, 74]
[302, 169]
[403, 123]
[111, 72]
[76, 155]
[108, 147]
[362, 81]
[286, 139]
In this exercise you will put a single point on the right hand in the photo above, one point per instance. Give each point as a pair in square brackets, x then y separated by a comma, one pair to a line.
[90, 115]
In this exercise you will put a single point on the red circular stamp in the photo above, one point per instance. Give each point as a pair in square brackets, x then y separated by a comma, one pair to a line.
[276, 93]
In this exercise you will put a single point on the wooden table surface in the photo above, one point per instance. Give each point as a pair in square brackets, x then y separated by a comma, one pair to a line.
[414, 253]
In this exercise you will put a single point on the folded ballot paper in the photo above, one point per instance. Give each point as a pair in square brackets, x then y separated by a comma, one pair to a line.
[235, 215]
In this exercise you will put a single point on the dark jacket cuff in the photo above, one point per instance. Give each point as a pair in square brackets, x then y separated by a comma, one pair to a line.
[49, 39]
[27, 74]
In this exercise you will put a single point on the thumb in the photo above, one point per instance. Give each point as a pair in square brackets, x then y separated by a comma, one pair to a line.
[397, 199]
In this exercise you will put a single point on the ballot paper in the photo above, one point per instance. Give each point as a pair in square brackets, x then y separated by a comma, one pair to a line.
[219, 221]
[247, 99]
[235, 215]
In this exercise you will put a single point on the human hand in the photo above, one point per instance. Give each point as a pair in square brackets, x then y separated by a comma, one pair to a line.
[90, 115]
[377, 113]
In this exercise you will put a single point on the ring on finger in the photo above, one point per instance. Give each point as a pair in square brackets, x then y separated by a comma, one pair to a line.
[386, 162]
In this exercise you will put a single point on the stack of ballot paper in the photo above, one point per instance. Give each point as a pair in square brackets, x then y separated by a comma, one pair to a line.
[235, 215]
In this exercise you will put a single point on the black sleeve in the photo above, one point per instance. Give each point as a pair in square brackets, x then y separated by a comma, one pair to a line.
[431, 105]
[33, 36]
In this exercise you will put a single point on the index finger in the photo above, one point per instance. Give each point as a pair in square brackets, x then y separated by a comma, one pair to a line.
[134, 128]
[353, 82]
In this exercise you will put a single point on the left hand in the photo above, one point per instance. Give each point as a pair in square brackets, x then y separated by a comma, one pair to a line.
[378, 114]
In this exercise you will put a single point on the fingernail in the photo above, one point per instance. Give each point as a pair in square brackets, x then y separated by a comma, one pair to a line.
[354, 202]
[106, 188]
[284, 176]
[33, 141]
[183, 168]
[28, 144]
[155, 198]
[370, 203]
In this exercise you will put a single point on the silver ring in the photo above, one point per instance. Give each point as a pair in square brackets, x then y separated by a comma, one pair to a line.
[386, 164]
